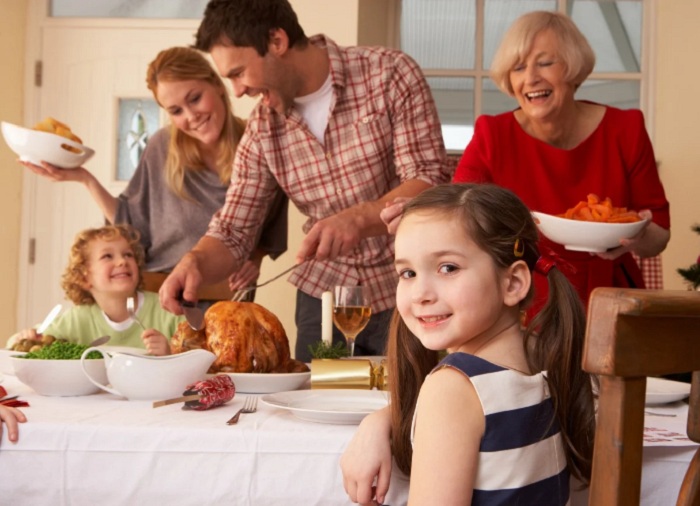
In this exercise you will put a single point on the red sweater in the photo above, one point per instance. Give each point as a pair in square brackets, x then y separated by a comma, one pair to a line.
[616, 161]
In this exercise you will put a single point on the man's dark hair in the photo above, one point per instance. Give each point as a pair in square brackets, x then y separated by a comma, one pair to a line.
[248, 23]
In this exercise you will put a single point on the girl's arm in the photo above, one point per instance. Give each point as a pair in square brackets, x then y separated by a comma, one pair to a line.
[367, 456]
[449, 428]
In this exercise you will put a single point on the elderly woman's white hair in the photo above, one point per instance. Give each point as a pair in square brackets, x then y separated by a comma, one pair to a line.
[573, 48]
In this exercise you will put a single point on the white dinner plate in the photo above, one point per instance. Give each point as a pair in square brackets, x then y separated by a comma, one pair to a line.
[329, 406]
[266, 383]
[663, 391]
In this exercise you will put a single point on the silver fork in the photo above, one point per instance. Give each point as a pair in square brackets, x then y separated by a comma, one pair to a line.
[240, 293]
[130, 308]
[250, 405]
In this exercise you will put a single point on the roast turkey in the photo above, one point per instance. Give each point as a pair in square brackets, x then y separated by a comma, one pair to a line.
[244, 336]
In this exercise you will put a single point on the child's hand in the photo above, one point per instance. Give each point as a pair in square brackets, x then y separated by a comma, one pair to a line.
[27, 334]
[155, 342]
[11, 416]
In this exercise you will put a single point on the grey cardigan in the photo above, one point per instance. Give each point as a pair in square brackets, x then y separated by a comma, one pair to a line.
[169, 225]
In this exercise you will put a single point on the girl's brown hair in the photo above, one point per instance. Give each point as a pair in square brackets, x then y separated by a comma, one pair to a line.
[495, 218]
[573, 48]
[75, 275]
[185, 64]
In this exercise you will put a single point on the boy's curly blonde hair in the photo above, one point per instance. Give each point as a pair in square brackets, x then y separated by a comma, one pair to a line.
[75, 275]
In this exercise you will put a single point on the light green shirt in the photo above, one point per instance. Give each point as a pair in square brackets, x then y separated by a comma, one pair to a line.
[82, 324]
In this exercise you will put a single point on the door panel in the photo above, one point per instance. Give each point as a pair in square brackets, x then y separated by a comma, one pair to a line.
[85, 71]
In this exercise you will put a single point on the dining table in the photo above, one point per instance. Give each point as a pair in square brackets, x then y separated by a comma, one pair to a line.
[104, 449]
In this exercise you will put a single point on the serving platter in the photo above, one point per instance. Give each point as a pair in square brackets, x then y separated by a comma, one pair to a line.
[265, 383]
[663, 391]
[587, 236]
[347, 407]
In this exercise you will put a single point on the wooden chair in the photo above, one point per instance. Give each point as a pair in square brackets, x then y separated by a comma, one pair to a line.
[219, 291]
[633, 334]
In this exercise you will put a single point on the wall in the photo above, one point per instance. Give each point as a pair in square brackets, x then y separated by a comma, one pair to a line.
[12, 32]
[677, 129]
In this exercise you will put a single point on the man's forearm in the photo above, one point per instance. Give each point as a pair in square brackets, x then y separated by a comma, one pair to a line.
[368, 212]
[214, 260]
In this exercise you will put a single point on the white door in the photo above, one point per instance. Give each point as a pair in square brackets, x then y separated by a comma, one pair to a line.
[87, 66]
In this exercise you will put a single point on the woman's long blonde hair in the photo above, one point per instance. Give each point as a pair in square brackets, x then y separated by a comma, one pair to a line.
[184, 64]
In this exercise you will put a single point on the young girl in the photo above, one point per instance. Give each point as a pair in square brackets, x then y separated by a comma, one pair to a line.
[507, 415]
[104, 270]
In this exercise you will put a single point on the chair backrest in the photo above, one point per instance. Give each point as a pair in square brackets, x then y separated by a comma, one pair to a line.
[632, 334]
[219, 291]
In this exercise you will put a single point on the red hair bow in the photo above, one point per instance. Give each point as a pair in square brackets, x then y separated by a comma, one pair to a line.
[549, 259]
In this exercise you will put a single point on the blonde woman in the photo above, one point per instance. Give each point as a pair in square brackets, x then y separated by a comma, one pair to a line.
[185, 170]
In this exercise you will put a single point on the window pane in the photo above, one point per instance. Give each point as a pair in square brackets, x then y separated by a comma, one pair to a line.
[500, 14]
[439, 34]
[163, 9]
[614, 30]
[494, 101]
[454, 97]
[621, 94]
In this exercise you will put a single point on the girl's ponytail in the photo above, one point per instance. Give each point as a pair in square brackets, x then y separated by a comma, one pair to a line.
[554, 343]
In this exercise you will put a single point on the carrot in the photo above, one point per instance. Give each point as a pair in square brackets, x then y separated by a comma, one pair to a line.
[593, 209]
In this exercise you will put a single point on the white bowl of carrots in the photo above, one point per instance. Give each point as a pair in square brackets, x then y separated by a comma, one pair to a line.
[592, 225]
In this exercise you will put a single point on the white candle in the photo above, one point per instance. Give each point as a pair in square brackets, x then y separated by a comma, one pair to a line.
[327, 317]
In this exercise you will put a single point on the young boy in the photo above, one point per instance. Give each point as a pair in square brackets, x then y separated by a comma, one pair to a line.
[103, 271]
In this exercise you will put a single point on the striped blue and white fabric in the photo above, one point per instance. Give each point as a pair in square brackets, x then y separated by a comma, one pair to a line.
[521, 460]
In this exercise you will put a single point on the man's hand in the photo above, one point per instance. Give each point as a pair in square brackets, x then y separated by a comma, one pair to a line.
[332, 237]
[183, 281]
[391, 214]
[245, 276]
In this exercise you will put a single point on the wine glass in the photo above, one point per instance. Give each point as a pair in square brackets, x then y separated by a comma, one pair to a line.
[351, 312]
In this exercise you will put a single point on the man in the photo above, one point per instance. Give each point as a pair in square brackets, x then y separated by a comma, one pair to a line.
[342, 131]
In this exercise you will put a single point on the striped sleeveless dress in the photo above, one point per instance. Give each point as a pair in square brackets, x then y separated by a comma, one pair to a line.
[521, 460]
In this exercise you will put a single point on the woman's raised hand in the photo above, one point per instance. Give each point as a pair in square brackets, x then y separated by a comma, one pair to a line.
[53, 173]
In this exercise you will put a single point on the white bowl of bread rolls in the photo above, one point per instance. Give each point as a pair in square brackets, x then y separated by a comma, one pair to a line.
[49, 141]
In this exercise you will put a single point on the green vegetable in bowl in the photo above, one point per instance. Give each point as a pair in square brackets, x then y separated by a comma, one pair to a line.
[60, 350]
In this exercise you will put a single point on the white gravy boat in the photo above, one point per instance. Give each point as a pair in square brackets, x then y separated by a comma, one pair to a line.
[144, 377]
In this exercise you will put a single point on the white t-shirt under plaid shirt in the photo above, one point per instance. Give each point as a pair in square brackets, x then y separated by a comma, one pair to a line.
[383, 131]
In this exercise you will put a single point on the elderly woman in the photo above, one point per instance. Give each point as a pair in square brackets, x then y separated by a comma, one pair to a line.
[554, 150]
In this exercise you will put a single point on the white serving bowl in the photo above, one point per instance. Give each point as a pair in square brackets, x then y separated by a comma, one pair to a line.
[6, 363]
[591, 236]
[35, 146]
[142, 377]
[61, 378]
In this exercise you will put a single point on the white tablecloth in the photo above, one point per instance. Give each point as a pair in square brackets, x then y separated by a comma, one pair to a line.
[102, 449]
